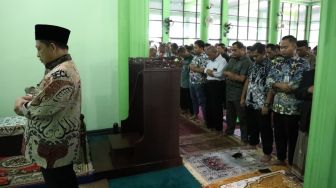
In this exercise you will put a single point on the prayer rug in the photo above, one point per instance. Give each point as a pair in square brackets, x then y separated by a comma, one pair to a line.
[12, 125]
[212, 166]
[278, 177]
[16, 171]
[193, 144]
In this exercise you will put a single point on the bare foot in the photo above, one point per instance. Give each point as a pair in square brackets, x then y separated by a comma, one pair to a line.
[249, 147]
[279, 163]
[266, 158]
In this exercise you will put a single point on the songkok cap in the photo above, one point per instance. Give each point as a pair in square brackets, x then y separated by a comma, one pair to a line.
[52, 32]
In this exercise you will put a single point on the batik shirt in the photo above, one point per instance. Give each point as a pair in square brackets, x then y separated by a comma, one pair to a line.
[288, 70]
[52, 134]
[200, 61]
[257, 90]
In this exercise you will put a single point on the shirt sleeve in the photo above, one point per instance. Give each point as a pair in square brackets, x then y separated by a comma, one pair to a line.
[245, 67]
[270, 80]
[302, 67]
[56, 94]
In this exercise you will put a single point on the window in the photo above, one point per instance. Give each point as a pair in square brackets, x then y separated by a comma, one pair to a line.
[214, 26]
[249, 21]
[315, 26]
[292, 20]
[185, 14]
[155, 21]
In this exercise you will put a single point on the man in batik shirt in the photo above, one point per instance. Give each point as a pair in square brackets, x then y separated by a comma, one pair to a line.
[53, 109]
[197, 78]
[283, 79]
[254, 96]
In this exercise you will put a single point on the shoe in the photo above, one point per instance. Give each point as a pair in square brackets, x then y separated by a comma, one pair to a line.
[266, 158]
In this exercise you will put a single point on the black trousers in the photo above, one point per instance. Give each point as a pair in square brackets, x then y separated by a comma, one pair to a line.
[286, 129]
[233, 109]
[64, 177]
[214, 93]
[185, 100]
[258, 124]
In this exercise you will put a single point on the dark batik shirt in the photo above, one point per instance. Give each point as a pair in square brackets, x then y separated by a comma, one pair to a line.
[288, 70]
[257, 90]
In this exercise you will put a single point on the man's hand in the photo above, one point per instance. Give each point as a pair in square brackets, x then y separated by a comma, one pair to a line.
[228, 74]
[264, 110]
[192, 66]
[311, 89]
[283, 86]
[20, 102]
[242, 102]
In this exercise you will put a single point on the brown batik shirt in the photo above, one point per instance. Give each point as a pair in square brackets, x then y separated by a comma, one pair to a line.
[52, 133]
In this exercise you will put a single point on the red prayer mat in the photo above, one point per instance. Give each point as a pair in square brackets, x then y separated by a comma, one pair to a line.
[16, 171]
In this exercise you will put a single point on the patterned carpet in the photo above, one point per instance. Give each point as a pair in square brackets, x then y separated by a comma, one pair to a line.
[278, 177]
[210, 141]
[188, 127]
[16, 171]
[216, 165]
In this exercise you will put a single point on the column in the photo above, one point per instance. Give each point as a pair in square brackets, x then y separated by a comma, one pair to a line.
[204, 14]
[165, 15]
[273, 21]
[321, 161]
[225, 19]
[308, 21]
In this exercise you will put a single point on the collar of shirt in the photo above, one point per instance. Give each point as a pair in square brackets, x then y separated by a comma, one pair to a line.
[219, 57]
[263, 62]
[188, 58]
[54, 63]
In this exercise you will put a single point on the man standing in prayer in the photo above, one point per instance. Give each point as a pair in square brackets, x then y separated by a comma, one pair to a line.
[185, 99]
[53, 108]
[235, 74]
[214, 89]
[255, 97]
[197, 79]
[284, 78]
[304, 52]
[304, 92]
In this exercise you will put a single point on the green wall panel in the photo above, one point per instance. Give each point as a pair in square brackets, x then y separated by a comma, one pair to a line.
[273, 21]
[321, 163]
[93, 46]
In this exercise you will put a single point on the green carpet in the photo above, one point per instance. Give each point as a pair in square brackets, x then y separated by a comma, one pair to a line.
[168, 178]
